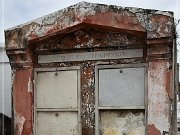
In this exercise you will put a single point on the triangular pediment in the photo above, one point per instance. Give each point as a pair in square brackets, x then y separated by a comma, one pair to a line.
[84, 13]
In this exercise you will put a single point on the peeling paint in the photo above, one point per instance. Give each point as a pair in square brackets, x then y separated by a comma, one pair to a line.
[158, 100]
[87, 91]
[13, 77]
[19, 122]
[29, 85]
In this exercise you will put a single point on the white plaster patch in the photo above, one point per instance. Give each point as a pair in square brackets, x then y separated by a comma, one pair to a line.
[166, 13]
[13, 77]
[90, 82]
[19, 120]
[77, 46]
[29, 85]
[90, 42]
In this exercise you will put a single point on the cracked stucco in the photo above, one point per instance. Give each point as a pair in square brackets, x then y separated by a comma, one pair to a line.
[79, 13]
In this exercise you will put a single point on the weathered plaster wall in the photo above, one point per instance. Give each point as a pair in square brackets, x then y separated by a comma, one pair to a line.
[87, 27]
[159, 97]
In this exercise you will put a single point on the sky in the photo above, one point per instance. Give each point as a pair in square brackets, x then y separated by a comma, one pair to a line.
[15, 12]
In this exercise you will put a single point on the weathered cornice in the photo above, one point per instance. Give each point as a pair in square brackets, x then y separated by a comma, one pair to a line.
[156, 24]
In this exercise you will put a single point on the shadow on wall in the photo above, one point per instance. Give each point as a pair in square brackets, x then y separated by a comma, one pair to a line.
[5, 125]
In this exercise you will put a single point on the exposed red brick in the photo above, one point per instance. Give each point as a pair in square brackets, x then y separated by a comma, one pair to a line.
[158, 19]
[152, 130]
[115, 20]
